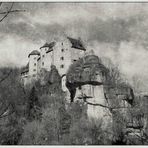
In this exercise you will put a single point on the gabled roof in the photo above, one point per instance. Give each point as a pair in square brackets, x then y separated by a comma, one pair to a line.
[49, 50]
[49, 45]
[34, 52]
[76, 44]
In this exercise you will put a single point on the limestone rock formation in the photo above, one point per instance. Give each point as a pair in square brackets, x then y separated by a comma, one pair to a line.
[85, 80]
[86, 71]
[89, 80]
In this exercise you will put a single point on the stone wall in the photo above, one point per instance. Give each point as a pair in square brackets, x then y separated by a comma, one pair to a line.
[33, 65]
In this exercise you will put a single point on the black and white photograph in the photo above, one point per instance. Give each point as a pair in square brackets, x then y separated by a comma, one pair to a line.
[73, 73]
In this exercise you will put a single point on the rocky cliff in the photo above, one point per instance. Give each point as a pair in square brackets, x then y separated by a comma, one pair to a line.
[89, 70]
[86, 70]
[89, 79]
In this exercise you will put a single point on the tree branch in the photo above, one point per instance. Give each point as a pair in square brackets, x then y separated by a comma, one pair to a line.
[96, 104]
[4, 110]
[11, 11]
[6, 14]
[84, 97]
[5, 113]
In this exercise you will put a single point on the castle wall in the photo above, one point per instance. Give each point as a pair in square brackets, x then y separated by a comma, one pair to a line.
[62, 56]
[48, 60]
[39, 65]
[42, 56]
[33, 65]
[76, 54]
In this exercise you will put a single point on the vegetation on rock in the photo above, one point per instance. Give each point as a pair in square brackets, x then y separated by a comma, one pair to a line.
[39, 114]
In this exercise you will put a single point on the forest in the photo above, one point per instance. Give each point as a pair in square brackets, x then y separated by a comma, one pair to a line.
[38, 115]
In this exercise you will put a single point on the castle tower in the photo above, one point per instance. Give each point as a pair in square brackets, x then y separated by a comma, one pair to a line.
[46, 58]
[66, 51]
[77, 49]
[61, 53]
[33, 57]
[61, 57]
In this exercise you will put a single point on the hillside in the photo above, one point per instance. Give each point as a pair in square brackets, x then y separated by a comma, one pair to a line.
[39, 113]
[119, 96]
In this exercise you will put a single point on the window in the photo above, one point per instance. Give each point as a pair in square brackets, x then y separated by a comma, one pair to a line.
[34, 69]
[79, 87]
[62, 50]
[43, 63]
[62, 58]
[62, 66]
[74, 60]
[34, 75]
[62, 43]
[34, 64]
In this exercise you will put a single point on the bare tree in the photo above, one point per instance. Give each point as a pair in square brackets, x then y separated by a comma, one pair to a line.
[5, 10]
[5, 13]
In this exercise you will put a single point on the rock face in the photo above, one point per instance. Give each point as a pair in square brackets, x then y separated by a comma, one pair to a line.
[88, 80]
[85, 80]
[86, 71]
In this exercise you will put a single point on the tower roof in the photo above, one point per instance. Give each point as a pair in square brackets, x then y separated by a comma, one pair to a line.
[49, 45]
[49, 50]
[76, 43]
[34, 52]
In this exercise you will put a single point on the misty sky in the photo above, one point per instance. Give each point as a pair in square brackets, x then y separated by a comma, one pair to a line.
[115, 30]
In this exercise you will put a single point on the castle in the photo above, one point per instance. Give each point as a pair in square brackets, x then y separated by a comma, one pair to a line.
[61, 53]
[66, 54]
[82, 78]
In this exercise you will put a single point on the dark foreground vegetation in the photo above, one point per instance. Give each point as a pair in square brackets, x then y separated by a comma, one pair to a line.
[38, 115]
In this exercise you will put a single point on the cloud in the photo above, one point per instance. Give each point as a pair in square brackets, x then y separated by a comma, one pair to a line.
[115, 30]
[90, 21]
[14, 51]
